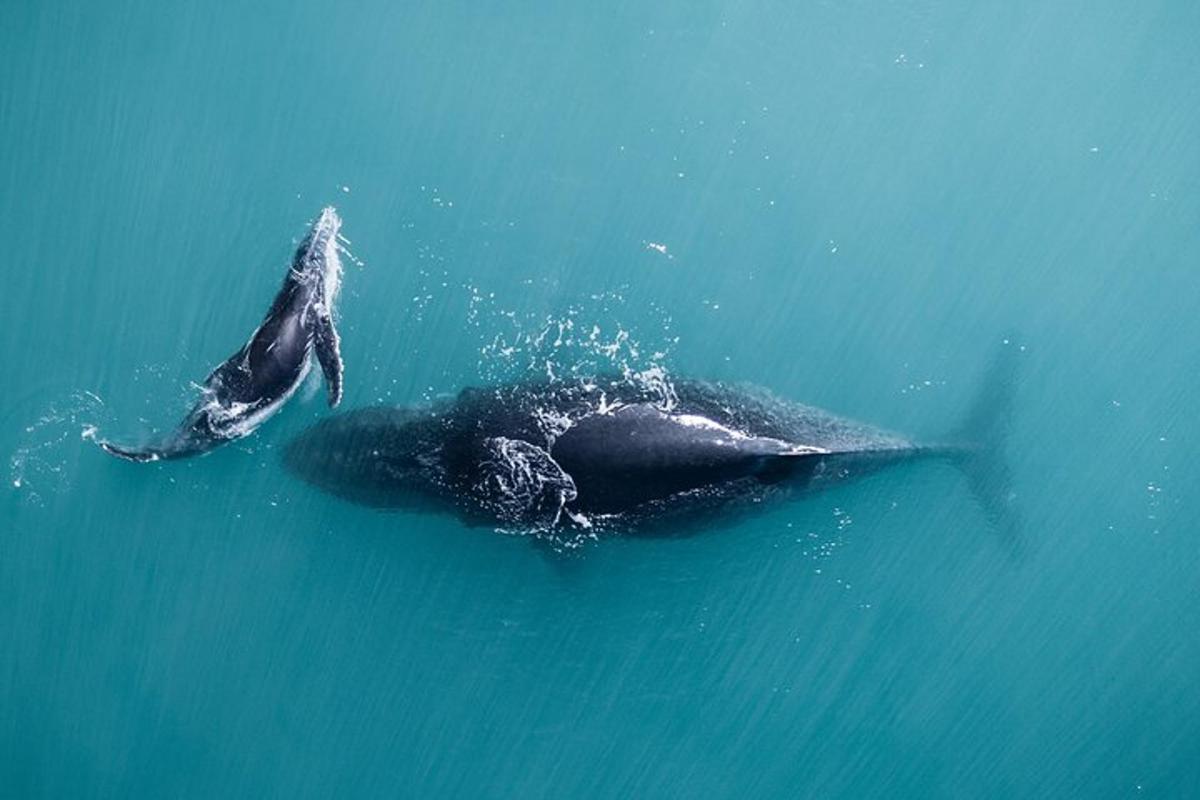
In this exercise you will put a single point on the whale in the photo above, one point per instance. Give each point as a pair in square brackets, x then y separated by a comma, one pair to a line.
[253, 384]
[567, 460]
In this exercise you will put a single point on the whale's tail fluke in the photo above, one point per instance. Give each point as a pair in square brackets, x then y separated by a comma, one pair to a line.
[176, 446]
[140, 455]
[977, 446]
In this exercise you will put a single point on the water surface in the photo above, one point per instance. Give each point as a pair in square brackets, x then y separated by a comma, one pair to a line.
[850, 203]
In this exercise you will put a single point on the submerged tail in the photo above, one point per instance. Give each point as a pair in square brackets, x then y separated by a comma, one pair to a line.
[977, 446]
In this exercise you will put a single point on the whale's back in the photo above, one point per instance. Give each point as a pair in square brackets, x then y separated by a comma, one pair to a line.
[640, 453]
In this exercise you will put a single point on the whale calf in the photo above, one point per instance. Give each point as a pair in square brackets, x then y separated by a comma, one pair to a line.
[256, 381]
[564, 459]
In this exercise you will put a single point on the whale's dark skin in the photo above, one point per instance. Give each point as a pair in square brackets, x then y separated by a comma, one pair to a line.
[255, 382]
[570, 457]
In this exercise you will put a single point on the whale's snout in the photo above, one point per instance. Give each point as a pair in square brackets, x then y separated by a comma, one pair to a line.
[339, 449]
[329, 224]
[323, 238]
[308, 456]
[370, 456]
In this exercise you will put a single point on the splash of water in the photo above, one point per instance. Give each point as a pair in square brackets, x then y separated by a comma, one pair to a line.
[586, 342]
[47, 446]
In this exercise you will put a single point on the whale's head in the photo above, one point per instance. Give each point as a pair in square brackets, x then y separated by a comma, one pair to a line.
[327, 227]
[317, 260]
[378, 456]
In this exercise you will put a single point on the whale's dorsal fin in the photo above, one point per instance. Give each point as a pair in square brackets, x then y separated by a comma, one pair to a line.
[327, 344]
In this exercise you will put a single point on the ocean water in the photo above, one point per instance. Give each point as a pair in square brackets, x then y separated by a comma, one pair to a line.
[849, 203]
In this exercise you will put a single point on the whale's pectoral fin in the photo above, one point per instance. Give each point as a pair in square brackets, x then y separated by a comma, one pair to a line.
[327, 343]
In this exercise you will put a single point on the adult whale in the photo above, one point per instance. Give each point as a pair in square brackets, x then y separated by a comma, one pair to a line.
[255, 382]
[572, 459]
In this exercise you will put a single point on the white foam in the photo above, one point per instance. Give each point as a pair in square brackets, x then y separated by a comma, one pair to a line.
[704, 423]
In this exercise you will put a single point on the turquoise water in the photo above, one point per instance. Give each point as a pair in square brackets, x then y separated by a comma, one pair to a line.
[849, 203]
